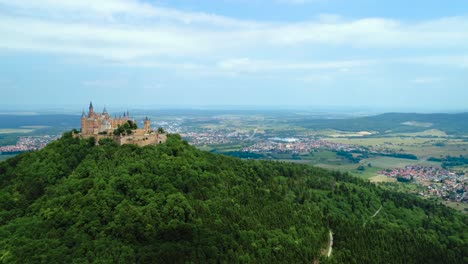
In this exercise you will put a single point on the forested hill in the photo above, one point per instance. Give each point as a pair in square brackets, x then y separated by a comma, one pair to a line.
[74, 202]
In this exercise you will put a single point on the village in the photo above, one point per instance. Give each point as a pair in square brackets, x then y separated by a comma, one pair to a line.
[28, 144]
[436, 181]
[207, 138]
[298, 146]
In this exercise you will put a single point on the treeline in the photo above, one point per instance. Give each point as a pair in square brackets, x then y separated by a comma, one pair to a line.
[349, 156]
[450, 161]
[171, 203]
[354, 156]
[359, 155]
[400, 155]
[244, 155]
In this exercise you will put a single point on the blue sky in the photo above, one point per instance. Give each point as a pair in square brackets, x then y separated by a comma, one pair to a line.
[393, 55]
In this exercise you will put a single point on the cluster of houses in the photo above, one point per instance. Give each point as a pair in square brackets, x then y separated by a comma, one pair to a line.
[419, 173]
[435, 181]
[298, 146]
[28, 143]
[214, 137]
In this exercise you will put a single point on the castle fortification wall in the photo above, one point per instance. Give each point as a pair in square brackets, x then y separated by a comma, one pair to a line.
[137, 139]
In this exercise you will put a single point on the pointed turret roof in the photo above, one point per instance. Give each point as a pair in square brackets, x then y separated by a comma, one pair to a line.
[83, 114]
[104, 111]
[91, 105]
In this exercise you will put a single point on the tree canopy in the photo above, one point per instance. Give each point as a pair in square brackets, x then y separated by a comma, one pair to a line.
[125, 129]
[171, 203]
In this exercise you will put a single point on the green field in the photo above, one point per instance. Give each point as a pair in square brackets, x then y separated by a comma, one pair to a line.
[419, 146]
[384, 141]
[338, 133]
[329, 160]
[381, 178]
[35, 127]
[463, 207]
[389, 162]
[15, 130]
[426, 133]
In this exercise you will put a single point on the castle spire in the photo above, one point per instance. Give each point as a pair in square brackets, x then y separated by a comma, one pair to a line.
[91, 108]
[83, 113]
[104, 111]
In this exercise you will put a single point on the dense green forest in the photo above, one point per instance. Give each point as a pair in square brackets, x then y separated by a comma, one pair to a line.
[171, 203]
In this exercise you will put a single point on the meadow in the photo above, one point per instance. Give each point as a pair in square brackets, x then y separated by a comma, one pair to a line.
[422, 147]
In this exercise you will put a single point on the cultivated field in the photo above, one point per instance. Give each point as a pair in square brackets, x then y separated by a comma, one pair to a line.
[381, 178]
[15, 130]
[422, 147]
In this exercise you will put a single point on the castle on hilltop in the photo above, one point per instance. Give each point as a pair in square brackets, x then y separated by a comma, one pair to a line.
[122, 129]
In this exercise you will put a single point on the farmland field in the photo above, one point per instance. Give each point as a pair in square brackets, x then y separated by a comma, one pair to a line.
[419, 146]
[15, 130]
[389, 162]
[381, 178]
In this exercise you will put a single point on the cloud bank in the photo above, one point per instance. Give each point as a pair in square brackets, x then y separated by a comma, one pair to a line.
[131, 30]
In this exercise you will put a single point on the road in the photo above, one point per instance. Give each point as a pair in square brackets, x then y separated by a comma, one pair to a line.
[330, 247]
[255, 132]
[376, 213]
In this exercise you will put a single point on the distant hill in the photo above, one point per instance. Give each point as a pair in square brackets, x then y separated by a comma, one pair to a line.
[452, 124]
[74, 202]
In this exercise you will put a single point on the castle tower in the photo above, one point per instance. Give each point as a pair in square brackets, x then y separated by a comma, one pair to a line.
[105, 113]
[91, 109]
[83, 122]
[147, 124]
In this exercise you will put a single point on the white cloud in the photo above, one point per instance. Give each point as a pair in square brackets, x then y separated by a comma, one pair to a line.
[426, 80]
[105, 83]
[299, 2]
[459, 61]
[248, 65]
[114, 9]
[142, 34]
